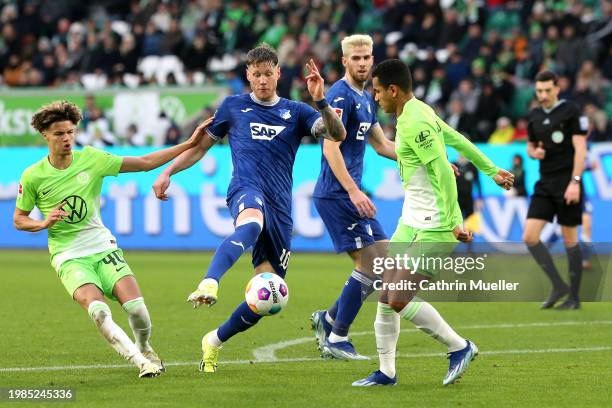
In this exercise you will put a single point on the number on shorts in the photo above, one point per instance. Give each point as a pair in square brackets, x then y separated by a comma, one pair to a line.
[113, 258]
[284, 259]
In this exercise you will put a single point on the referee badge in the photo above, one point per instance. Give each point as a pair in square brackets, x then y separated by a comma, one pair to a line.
[557, 136]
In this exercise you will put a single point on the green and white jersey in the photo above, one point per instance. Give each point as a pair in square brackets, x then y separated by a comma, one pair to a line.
[81, 233]
[429, 182]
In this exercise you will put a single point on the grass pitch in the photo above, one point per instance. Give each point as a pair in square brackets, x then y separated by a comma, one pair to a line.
[528, 357]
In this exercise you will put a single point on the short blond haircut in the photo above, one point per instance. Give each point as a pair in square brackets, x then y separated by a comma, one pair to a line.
[355, 40]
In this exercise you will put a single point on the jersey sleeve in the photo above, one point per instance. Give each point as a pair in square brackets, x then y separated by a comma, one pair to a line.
[467, 149]
[420, 136]
[105, 163]
[340, 104]
[26, 193]
[373, 106]
[578, 124]
[308, 117]
[530, 134]
[220, 126]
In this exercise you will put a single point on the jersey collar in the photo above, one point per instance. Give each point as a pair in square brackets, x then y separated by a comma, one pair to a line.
[53, 168]
[360, 92]
[264, 103]
[552, 108]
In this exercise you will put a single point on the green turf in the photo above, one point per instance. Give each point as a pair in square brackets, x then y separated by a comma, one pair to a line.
[42, 327]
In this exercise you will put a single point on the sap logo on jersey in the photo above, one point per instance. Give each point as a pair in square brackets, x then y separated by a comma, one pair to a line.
[262, 131]
[363, 130]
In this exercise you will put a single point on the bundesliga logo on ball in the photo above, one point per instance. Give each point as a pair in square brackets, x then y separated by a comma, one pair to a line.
[266, 294]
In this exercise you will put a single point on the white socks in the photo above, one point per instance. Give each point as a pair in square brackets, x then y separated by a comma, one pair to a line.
[386, 329]
[140, 322]
[426, 318]
[100, 313]
[213, 338]
[334, 338]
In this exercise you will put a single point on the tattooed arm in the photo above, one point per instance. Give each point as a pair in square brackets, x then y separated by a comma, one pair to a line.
[331, 126]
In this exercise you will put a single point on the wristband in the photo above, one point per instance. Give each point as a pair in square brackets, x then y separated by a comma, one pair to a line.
[322, 104]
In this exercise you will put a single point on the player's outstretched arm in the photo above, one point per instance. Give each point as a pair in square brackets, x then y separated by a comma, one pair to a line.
[502, 178]
[160, 157]
[23, 222]
[333, 155]
[182, 162]
[383, 146]
[331, 128]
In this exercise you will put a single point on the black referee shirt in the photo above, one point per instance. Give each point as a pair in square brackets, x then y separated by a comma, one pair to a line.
[555, 127]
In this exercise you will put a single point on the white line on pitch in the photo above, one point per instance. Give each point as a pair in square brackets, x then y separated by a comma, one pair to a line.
[303, 359]
[268, 353]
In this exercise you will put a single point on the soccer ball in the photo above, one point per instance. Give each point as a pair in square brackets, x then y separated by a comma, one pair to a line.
[266, 294]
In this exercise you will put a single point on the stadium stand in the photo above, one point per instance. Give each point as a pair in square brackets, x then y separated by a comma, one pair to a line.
[483, 53]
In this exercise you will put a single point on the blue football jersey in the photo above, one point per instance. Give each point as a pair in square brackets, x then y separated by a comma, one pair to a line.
[264, 138]
[357, 110]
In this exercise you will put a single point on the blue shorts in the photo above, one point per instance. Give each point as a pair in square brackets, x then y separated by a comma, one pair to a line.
[274, 242]
[348, 230]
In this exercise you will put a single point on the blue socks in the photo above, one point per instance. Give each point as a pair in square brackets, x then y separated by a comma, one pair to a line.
[242, 319]
[233, 247]
[343, 312]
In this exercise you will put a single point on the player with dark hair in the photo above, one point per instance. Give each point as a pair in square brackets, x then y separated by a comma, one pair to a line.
[66, 186]
[557, 139]
[264, 133]
[430, 216]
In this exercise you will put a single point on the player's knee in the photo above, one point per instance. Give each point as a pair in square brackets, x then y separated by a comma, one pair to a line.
[530, 238]
[251, 226]
[86, 297]
[398, 305]
[570, 242]
[98, 312]
[137, 307]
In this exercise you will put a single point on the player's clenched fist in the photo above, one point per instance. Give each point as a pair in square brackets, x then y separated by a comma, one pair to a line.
[56, 215]
[504, 179]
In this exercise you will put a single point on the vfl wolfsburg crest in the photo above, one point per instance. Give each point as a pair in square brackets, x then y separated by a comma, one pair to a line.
[76, 208]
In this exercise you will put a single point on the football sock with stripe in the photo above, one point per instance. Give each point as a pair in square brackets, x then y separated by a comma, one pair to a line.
[357, 288]
[427, 319]
[101, 315]
[242, 319]
[245, 235]
[140, 322]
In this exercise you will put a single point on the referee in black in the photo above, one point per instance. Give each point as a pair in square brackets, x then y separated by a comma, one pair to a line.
[557, 138]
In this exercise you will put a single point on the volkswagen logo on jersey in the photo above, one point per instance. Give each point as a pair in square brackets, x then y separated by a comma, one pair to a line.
[76, 208]
[261, 131]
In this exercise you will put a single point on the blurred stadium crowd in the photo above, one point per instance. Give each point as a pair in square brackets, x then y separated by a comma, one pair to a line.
[473, 60]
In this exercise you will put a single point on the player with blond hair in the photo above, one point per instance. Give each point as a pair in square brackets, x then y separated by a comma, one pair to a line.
[345, 209]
